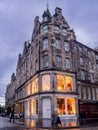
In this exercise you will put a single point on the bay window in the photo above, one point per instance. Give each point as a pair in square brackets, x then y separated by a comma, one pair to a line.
[35, 85]
[65, 83]
[69, 83]
[66, 106]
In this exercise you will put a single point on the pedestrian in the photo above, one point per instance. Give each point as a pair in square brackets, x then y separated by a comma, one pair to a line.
[12, 115]
[56, 120]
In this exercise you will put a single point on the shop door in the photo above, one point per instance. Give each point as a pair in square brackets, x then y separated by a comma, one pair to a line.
[46, 108]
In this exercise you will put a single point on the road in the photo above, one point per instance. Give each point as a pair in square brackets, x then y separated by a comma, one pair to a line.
[6, 125]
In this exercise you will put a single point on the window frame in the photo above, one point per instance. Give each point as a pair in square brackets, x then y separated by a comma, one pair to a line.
[45, 60]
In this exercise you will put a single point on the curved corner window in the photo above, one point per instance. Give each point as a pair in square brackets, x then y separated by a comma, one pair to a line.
[46, 82]
[35, 85]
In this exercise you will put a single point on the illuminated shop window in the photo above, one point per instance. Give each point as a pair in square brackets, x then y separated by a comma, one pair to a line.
[60, 82]
[45, 82]
[28, 89]
[32, 106]
[61, 106]
[71, 106]
[35, 85]
[69, 83]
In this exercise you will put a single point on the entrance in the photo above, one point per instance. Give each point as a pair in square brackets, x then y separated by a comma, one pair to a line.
[46, 108]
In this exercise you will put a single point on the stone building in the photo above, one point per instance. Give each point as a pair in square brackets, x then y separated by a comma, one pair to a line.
[55, 73]
[10, 92]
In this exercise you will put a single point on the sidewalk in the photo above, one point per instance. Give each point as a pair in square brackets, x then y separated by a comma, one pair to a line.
[46, 124]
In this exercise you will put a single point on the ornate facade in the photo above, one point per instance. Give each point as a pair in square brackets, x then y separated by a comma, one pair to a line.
[56, 73]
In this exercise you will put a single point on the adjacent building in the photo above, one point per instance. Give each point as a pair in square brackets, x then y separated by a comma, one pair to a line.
[55, 73]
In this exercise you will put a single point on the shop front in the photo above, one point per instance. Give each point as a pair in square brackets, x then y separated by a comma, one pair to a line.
[90, 108]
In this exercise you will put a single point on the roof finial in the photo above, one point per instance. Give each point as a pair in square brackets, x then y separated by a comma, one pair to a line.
[47, 5]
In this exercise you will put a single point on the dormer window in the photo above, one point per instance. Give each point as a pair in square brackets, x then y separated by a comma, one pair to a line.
[45, 28]
[45, 19]
[56, 29]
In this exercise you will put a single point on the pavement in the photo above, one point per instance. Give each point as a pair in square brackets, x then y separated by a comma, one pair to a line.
[6, 125]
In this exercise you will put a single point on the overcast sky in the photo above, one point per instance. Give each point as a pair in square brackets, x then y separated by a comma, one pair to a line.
[16, 26]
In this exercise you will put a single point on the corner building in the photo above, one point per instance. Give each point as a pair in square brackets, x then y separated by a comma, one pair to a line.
[56, 73]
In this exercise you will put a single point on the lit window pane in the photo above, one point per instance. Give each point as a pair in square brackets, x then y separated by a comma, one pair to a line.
[34, 86]
[61, 106]
[32, 106]
[46, 82]
[71, 106]
[60, 82]
[28, 89]
[69, 83]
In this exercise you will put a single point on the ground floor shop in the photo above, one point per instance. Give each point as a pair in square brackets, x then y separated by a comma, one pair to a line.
[88, 108]
[46, 105]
